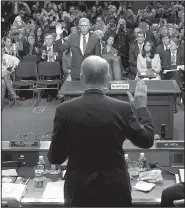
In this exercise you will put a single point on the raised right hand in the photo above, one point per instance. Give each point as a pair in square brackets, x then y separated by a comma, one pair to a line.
[140, 97]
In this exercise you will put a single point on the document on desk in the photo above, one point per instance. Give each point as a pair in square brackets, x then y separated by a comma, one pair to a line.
[54, 190]
[13, 190]
[144, 186]
[9, 172]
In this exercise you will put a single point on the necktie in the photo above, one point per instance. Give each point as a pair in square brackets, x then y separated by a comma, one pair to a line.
[173, 58]
[84, 44]
[165, 48]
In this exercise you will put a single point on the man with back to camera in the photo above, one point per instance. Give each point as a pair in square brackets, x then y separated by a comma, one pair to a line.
[90, 130]
[82, 44]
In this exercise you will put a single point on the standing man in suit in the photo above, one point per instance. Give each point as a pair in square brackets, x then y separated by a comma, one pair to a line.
[90, 131]
[82, 44]
[135, 49]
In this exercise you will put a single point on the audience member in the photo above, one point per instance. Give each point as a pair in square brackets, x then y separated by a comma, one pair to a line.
[163, 47]
[9, 63]
[148, 61]
[50, 51]
[135, 49]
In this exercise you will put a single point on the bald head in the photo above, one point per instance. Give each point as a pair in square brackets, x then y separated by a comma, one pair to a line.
[94, 71]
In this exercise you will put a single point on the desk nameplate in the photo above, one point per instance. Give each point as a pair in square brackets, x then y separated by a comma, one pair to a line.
[170, 144]
[123, 86]
[17, 143]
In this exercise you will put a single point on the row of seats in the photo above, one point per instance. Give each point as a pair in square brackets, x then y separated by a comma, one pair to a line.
[30, 76]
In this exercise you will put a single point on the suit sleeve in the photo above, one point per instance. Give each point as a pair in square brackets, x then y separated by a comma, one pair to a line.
[133, 62]
[98, 48]
[140, 128]
[66, 44]
[58, 150]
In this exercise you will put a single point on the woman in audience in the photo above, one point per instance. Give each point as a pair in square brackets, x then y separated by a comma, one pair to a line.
[100, 25]
[66, 62]
[148, 62]
[109, 49]
[29, 47]
[39, 39]
[110, 54]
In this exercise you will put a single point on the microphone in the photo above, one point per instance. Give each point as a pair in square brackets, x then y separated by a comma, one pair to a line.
[155, 164]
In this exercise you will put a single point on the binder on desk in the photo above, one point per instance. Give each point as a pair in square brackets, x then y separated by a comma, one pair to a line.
[13, 190]
[181, 175]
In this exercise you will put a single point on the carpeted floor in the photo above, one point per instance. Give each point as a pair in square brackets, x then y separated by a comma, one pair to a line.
[21, 118]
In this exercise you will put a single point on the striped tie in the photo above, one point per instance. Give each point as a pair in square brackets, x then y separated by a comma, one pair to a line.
[84, 44]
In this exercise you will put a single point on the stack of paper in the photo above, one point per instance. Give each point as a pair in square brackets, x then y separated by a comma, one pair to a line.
[144, 186]
[54, 190]
[9, 172]
[13, 190]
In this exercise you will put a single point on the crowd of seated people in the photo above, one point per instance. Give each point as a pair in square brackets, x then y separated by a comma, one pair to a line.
[131, 43]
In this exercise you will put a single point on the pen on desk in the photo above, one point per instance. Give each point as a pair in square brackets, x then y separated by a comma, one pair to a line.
[27, 181]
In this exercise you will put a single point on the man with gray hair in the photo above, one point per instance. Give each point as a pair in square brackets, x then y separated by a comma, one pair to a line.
[90, 131]
[82, 44]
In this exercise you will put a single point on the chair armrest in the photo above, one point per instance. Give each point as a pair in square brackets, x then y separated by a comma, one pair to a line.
[179, 203]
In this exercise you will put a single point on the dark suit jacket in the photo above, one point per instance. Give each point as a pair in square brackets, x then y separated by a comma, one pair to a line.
[55, 49]
[133, 53]
[90, 131]
[166, 65]
[167, 59]
[93, 48]
[150, 36]
[160, 50]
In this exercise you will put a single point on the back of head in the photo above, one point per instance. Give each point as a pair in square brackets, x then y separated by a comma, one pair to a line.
[94, 71]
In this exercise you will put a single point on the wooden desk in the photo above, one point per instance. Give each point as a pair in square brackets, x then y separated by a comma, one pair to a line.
[33, 195]
[160, 99]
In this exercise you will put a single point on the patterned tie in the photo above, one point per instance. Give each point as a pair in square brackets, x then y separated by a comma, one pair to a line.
[173, 58]
[84, 44]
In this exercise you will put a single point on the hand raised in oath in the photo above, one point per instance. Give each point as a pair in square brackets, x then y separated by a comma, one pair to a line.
[140, 97]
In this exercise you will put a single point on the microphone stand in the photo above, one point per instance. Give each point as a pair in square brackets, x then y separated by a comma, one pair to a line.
[153, 165]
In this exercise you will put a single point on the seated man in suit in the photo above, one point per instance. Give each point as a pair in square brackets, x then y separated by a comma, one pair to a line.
[172, 59]
[90, 131]
[164, 46]
[50, 51]
[135, 49]
[82, 44]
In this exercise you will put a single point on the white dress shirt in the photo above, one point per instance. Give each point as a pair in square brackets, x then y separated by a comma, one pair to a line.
[81, 41]
[175, 53]
[140, 46]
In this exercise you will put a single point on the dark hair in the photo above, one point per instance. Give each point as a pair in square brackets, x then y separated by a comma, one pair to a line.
[7, 37]
[152, 50]
[110, 36]
[175, 40]
[166, 35]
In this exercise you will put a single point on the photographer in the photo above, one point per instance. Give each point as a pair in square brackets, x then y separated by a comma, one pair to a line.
[122, 43]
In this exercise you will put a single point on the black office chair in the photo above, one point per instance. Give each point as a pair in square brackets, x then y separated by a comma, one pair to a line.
[49, 77]
[25, 78]
[32, 58]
